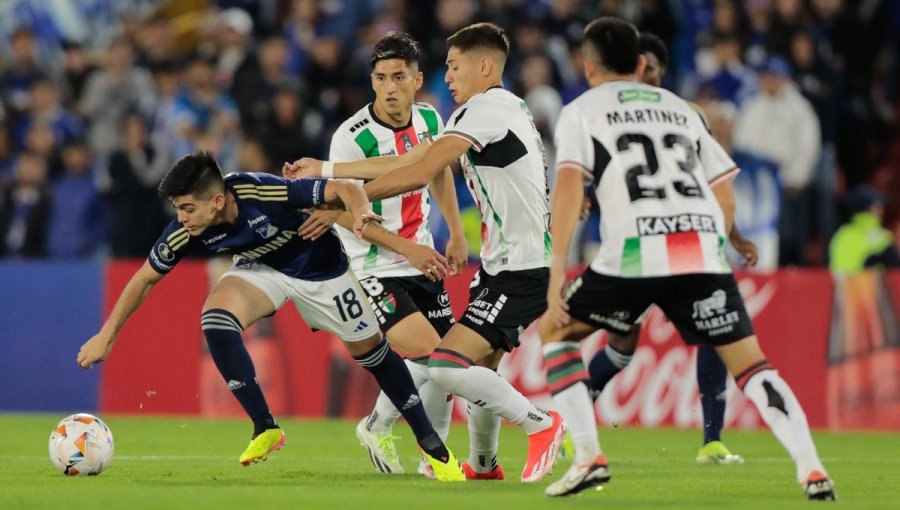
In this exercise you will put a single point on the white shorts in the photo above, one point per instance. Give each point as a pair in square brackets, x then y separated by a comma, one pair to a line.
[338, 306]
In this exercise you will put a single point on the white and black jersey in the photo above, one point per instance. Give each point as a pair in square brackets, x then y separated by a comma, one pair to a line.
[506, 173]
[652, 161]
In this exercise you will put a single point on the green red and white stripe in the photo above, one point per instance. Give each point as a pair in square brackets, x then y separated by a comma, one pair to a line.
[676, 253]
[565, 367]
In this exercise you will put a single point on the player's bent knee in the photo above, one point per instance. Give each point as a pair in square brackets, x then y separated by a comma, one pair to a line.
[363, 346]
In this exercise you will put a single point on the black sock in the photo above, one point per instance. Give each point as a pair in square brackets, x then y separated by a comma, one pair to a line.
[604, 366]
[394, 379]
[223, 336]
[712, 376]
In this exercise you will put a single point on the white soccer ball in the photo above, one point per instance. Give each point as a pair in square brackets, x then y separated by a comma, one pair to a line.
[81, 444]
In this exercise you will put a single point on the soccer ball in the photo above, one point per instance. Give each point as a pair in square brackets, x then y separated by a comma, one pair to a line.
[81, 444]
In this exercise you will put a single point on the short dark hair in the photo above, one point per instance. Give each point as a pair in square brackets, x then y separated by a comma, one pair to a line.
[196, 174]
[397, 45]
[650, 43]
[615, 44]
[480, 35]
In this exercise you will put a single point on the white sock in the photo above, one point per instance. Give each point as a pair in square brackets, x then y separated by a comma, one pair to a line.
[438, 406]
[383, 416]
[781, 411]
[484, 439]
[485, 388]
[573, 399]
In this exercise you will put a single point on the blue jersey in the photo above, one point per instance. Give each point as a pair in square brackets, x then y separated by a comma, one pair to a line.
[265, 230]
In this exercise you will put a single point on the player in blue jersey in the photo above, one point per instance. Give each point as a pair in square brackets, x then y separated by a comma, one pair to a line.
[256, 217]
[712, 375]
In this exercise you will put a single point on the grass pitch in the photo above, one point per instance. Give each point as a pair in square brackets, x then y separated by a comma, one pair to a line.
[192, 464]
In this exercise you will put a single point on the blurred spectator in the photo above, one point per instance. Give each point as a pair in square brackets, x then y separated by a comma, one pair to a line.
[7, 157]
[156, 42]
[202, 110]
[542, 99]
[257, 80]
[19, 72]
[290, 132]
[233, 43]
[76, 217]
[167, 79]
[721, 73]
[25, 210]
[252, 158]
[780, 124]
[113, 91]
[46, 109]
[76, 69]
[39, 141]
[757, 190]
[136, 215]
[862, 242]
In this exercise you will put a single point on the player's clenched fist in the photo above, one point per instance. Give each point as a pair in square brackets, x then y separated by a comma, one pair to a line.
[93, 351]
[302, 168]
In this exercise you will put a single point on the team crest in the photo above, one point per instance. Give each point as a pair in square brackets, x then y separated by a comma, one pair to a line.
[444, 299]
[388, 303]
[407, 143]
[165, 252]
[267, 231]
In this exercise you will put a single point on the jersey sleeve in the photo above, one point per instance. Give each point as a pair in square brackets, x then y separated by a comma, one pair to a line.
[295, 193]
[174, 243]
[432, 119]
[477, 122]
[343, 148]
[574, 145]
[717, 164]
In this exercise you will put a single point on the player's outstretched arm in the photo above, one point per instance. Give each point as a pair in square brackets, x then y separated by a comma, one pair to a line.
[369, 168]
[442, 152]
[100, 345]
[568, 198]
[444, 193]
[354, 199]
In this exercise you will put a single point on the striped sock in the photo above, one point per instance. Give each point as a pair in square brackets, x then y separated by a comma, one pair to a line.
[226, 347]
[396, 382]
[568, 382]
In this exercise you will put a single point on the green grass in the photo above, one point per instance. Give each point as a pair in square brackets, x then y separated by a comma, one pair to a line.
[191, 463]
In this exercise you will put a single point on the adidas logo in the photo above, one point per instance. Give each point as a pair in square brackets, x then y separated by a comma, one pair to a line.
[361, 326]
[412, 402]
[235, 385]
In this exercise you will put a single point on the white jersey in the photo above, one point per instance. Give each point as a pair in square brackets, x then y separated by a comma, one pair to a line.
[653, 162]
[507, 175]
[364, 136]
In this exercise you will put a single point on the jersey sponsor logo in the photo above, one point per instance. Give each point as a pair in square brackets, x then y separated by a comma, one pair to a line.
[159, 264]
[711, 315]
[646, 115]
[165, 252]
[271, 246]
[713, 305]
[611, 320]
[440, 313]
[257, 220]
[214, 239]
[267, 231]
[626, 96]
[657, 225]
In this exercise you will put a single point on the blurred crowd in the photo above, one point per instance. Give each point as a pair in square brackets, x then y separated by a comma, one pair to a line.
[99, 97]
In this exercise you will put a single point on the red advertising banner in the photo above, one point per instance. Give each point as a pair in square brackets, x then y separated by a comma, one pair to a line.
[836, 344]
